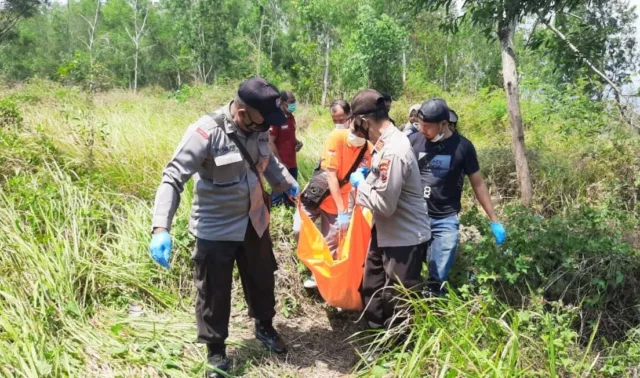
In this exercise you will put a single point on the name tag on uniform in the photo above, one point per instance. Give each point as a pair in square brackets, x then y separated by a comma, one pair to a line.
[226, 159]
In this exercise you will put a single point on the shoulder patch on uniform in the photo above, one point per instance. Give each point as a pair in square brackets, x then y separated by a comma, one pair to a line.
[383, 168]
[379, 145]
[202, 133]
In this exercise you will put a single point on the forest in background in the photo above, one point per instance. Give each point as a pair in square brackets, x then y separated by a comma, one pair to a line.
[318, 48]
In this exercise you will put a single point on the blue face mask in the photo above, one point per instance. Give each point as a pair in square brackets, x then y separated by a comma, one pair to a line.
[291, 108]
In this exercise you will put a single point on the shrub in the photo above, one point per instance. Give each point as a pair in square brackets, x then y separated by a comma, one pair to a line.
[10, 117]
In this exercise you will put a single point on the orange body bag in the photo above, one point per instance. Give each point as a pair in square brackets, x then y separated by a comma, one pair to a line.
[339, 280]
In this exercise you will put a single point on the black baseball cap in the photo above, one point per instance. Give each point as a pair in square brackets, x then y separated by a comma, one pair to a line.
[263, 97]
[366, 102]
[434, 110]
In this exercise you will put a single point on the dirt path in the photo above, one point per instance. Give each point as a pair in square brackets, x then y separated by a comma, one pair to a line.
[317, 345]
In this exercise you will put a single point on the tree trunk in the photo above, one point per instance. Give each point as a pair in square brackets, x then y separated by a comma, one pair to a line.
[404, 67]
[325, 83]
[135, 72]
[510, 75]
[70, 46]
[259, 48]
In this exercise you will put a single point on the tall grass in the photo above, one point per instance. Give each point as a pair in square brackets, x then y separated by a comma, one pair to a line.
[77, 180]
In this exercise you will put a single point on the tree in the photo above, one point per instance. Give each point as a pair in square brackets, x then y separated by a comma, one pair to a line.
[90, 42]
[137, 35]
[500, 18]
[12, 11]
[376, 39]
[601, 44]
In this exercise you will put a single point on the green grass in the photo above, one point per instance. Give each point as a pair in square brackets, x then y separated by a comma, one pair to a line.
[77, 180]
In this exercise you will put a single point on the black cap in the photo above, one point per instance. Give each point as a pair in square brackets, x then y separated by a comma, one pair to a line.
[387, 97]
[263, 97]
[434, 110]
[366, 102]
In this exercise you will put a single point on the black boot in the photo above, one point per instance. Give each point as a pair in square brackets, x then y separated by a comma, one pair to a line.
[217, 359]
[269, 337]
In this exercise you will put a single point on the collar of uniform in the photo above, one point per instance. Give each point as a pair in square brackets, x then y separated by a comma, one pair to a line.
[383, 138]
[229, 124]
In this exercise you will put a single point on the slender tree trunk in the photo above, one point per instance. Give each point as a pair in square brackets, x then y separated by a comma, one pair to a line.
[70, 47]
[510, 74]
[404, 67]
[259, 48]
[135, 73]
[325, 83]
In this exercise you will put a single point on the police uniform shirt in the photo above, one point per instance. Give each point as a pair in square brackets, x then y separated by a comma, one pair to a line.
[227, 194]
[393, 192]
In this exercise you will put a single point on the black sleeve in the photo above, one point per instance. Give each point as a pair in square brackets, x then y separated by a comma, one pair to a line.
[470, 164]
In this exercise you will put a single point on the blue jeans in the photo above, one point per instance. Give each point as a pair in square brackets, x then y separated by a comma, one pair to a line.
[281, 198]
[444, 242]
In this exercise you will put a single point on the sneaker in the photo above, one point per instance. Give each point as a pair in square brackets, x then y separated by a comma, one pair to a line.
[217, 360]
[310, 283]
[270, 338]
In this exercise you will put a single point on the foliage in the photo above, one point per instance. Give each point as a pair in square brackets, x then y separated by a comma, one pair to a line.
[604, 35]
[557, 299]
[9, 114]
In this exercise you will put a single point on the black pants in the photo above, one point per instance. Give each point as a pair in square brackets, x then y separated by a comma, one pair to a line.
[385, 268]
[213, 278]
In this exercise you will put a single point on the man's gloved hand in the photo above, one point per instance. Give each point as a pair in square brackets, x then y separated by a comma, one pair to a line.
[365, 171]
[498, 232]
[161, 248]
[299, 145]
[293, 191]
[358, 176]
[343, 220]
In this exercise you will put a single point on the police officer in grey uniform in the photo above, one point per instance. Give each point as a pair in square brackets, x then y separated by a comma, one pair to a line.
[230, 212]
[393, 192]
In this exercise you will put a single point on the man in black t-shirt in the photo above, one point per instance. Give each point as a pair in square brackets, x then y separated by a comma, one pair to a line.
[444, 157]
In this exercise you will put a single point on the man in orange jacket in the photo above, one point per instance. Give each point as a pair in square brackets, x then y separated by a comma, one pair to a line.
[339, 154]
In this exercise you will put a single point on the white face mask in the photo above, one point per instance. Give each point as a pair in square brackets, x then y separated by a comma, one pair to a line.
[355, 140]
[438, 137]
[340, 126]
[416, 125]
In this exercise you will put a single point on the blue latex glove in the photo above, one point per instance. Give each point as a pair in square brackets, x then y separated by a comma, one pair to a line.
[358, 176]
[161, 248]
[343, 220]
[498, 232]
[293, 191]
[365, 171]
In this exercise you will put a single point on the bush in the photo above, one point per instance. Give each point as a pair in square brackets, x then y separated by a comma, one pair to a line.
[10, 117]
[580, 260]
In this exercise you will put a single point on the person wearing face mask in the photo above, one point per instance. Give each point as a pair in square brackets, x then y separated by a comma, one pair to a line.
[228, 153]
[340, 112]
[392, 191]
[413, 125]
[444, 157]
[342, 153]
[284, 144]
